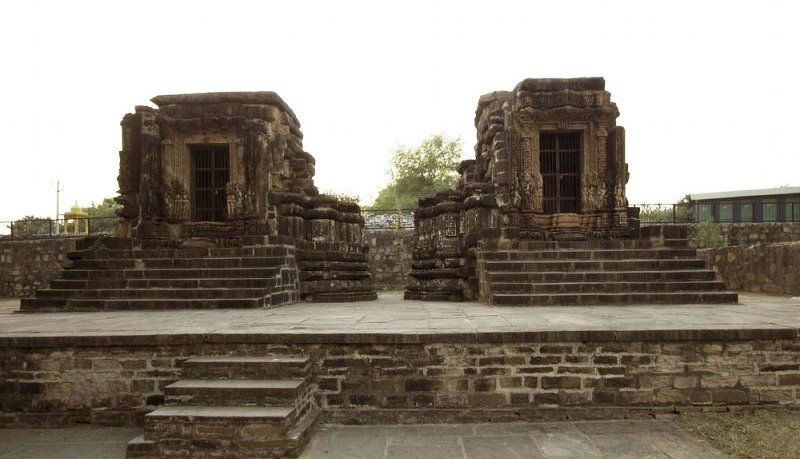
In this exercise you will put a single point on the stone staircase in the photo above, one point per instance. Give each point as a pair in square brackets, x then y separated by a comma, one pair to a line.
[538, 273]
[171, 278]
[242, 407]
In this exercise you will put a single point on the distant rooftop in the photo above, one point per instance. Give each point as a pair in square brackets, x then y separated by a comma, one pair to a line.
[745, 193]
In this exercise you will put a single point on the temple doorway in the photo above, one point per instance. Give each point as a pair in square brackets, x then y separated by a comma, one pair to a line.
[560, 165]
[210, 172]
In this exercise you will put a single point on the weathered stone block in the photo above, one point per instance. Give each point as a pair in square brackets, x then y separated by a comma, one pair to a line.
[561, 382]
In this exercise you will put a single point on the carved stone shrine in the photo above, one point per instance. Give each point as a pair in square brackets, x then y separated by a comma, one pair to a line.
[219, 209]
[547, 182]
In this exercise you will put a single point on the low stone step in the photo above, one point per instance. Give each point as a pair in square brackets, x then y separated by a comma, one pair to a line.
[60, 304]
[676, 242]
[600, 254]
[585, 245]
[180, 263]
[189, 273]
[154, 293]
[241, 436]
[607, 287]
[140, 448]
[602, 276]
[334, 275]
[341, 297]
[229, 367]
[263, 251]
[242, 282]
[594, 265]
[234, 391]
[331, 265]
[219, 422]
[522, 299]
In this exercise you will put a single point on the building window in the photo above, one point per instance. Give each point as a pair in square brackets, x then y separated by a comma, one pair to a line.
[769, 211]
[746, 212]
[792, 210]
[725, 212]
[704, 213]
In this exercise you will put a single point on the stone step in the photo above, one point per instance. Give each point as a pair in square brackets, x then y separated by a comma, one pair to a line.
[607, 287]
[154, 293]
[334, 275]
[241, 282]
[602, 276]
[332, 265]
[193, 273]
[219, 422]
[341, 297]
[594, 265]
[259, 251]
[585, 245]
[208, 437]
[553, 299]
[260, 392]
[61, 304]
[600, 254]
[314, 255]
[179, 263]
[230, 367]
[140, 448]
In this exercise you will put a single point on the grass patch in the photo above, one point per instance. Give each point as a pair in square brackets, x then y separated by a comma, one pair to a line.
[761, 434]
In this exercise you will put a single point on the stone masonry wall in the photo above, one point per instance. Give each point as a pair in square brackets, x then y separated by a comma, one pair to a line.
[752, 233]
[766, 268]
[418, 382]
[27, 265]
[389, 257]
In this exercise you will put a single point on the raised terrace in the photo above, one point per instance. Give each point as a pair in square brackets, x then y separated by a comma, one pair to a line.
[259, 381]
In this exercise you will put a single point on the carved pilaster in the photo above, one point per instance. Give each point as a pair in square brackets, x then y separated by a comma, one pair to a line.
[530, 181]
[602, 155]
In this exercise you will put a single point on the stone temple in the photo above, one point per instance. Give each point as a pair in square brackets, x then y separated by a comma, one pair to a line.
[540, 215]
[219, 209]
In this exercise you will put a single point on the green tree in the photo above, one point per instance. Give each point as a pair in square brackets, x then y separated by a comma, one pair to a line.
[32, 226]
[420, 172]
[103, 217]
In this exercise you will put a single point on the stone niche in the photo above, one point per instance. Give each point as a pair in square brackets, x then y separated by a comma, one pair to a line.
[229, 170]
[549, 165]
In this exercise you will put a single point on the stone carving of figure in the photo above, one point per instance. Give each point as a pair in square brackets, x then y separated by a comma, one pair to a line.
[620, 201]
[601, 194]
[526, 190]
[516, 198]
[589, 193]
[536, 193]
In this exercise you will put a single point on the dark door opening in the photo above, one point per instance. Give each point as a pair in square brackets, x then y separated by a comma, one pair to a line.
[210, 174]
[560, 164]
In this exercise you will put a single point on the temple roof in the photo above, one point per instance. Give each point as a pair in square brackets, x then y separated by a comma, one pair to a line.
[255, 97]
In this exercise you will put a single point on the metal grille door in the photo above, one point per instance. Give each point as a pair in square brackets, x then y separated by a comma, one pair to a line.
[210, 167]
[560, 164]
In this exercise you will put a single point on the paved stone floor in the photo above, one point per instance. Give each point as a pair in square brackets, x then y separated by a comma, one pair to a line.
[72, 443]
[600, 439]
[604, 439]
[391, 315]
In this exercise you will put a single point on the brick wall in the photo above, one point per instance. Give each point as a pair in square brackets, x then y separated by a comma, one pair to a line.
[389, 257]
[27, 265]
[436, 381]
[766, 268]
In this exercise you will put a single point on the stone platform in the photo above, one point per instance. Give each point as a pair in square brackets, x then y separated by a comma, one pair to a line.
[394, 361]
[391, 320]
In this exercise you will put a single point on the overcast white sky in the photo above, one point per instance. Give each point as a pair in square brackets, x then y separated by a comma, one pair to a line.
[708, 91]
